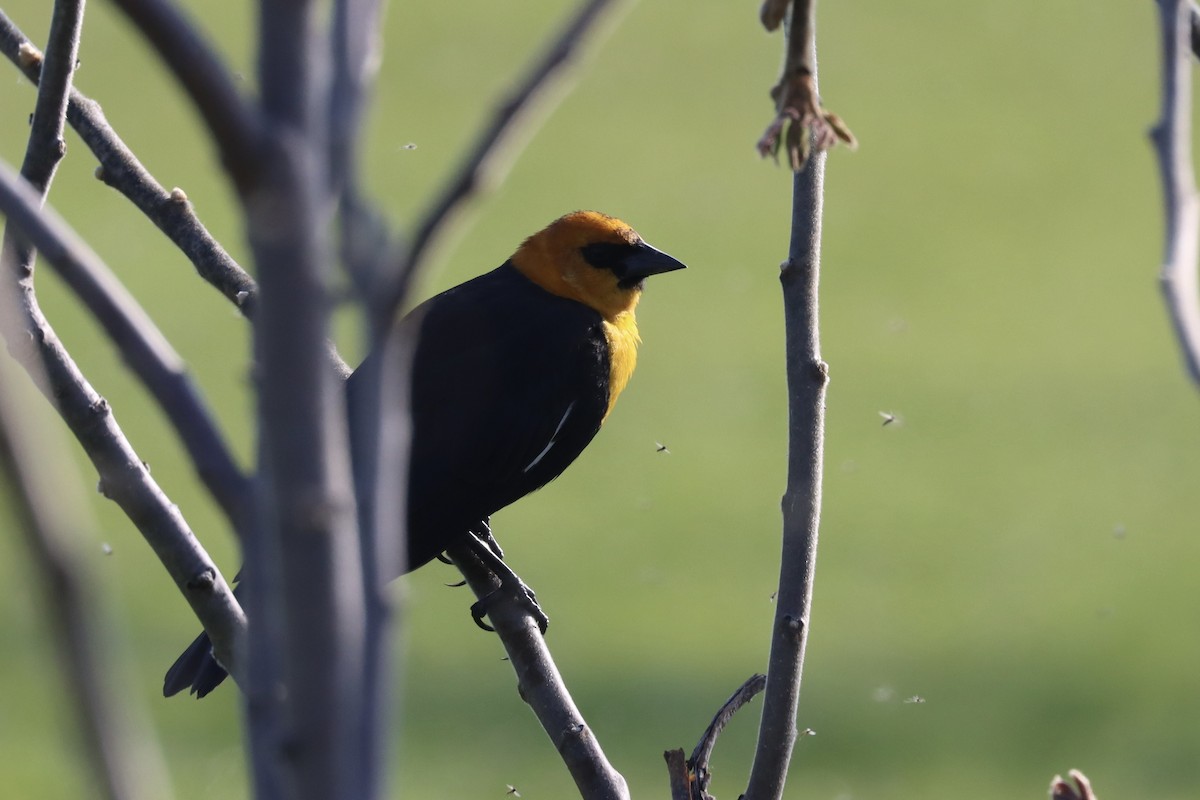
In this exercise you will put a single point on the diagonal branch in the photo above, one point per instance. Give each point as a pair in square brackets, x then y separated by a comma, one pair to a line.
[1172, 137]
[498, 143]
[36, 471]
[124, 477]
[144, 348]
[120, 169]
[540, 684]
[235, 128]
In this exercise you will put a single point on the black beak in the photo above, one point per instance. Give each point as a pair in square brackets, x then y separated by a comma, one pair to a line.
[644, 261]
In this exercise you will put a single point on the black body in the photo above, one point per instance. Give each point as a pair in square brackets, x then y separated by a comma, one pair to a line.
[510, 383]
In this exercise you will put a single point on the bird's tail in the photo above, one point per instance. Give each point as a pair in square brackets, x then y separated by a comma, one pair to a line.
[196, 670]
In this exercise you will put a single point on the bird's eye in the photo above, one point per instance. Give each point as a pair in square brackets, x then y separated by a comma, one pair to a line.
[606, 255]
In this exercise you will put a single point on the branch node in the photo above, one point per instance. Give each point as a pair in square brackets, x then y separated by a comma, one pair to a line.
[179, 196]
[203, 581]
[29, 56]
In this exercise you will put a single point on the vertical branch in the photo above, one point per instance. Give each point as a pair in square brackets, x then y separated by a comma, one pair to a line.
[306, 573]
[807, 378]
[1172, 137]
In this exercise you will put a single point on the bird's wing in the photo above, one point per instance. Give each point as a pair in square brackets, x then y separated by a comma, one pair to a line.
[509, 386]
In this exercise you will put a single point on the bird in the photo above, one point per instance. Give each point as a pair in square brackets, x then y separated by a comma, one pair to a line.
[513, 374]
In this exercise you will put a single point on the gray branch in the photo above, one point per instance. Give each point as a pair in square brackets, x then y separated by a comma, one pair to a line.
[35, 464]
[540, 684]
[120, 169]
[306, 567]
[37, 469]
[141, 344]
[807, 377]
[234, 126]
[123, 476]
[1172, 137]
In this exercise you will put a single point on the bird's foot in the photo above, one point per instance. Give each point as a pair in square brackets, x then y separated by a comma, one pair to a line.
[483, 531]
[511, 586]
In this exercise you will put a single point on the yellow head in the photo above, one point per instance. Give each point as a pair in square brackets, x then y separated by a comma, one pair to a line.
[592, 258]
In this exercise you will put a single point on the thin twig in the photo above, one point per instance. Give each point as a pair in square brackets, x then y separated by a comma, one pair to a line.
[123, 476]
[1195, 26]
[800, 120]
[540, 684]
[120, 169]
[1172, 137]
[235, 128]
[36, 466]
[808, 376]
[680, 780]
[125, 765]
[143, 346]
[496, 146]
[698, 763]
[1077, 788]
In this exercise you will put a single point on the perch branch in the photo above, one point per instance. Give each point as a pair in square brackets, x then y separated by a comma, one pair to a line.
[800, 119]
[1172, 137]
[497, 144]
[807, 377]
[540, 684]
[235, 128]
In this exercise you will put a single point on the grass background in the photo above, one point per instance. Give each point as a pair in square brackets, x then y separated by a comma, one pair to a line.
[1019, 549]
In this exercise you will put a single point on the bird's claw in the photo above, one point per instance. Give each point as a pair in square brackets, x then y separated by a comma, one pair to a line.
[484, 533]
[519, 591]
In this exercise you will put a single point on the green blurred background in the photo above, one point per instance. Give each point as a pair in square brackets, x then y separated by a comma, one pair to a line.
[1019, 549]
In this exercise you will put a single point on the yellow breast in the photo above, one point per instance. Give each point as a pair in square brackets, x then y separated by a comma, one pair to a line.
[623, 340]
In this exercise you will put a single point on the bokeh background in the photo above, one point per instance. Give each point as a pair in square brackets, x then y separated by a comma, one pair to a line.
[1018, 550]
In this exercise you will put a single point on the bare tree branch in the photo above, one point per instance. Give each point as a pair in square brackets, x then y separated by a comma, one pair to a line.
[124, 477]
[46, 516]
[540, 684]
[160, 369]
[698, 763]
[306, 569]
[808, 376]
[120, 169]
[1195, 25]
[235, 128]
[797, 104]
[678, 775]
[1172, 137]
[497, 145]
[125, 766]
[1077, 788]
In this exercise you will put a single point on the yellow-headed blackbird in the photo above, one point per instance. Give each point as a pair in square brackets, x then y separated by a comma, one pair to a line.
[513, 374]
